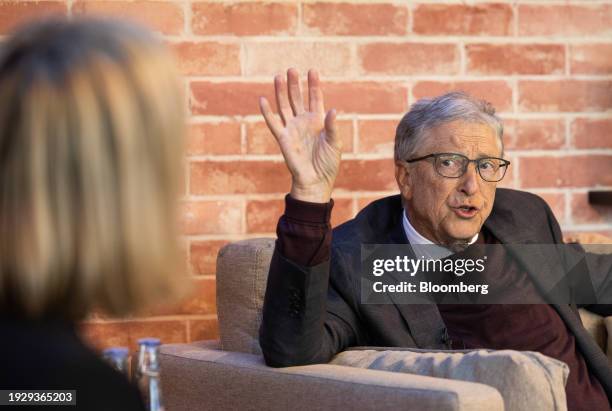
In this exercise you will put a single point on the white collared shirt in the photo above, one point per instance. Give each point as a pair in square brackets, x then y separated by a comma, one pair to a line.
[422, 246]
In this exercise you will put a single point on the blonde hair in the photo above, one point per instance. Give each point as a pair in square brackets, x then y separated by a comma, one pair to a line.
[91, 130]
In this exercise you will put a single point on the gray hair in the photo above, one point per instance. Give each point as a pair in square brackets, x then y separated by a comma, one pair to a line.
[426, 114]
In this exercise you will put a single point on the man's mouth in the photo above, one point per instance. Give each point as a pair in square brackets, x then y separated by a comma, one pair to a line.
[466, 211]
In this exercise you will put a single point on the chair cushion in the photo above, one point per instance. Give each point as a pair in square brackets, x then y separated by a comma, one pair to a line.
[242, 274]
[608, 324]
[525, 379]
[595, 326]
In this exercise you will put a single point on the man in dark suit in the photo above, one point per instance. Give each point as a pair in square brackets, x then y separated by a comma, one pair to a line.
[448, 160]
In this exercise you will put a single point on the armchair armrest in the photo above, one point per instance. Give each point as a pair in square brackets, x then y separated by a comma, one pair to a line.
[608, 347]
[596, 326]
[196, 375]
[600, 329]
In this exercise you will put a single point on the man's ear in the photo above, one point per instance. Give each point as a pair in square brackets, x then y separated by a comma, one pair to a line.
[404, 182]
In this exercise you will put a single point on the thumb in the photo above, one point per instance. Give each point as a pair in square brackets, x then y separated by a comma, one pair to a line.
[331, 132]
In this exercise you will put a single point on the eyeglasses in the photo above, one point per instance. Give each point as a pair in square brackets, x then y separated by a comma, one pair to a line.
[454, 165]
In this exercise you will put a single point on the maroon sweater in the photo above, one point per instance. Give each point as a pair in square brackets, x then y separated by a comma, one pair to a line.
[304, 236]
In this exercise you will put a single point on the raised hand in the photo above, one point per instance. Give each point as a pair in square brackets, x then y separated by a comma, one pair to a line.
[307, 138]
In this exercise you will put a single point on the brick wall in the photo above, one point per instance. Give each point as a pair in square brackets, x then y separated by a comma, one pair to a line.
[546, 65]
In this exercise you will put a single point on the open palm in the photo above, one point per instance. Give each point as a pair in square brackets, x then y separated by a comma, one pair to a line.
[307, 138]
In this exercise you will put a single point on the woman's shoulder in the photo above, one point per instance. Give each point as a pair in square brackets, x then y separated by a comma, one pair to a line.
[52, 356]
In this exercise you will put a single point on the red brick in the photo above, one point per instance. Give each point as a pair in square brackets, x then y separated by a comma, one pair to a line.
[204, 256]
[498, 93]
[104, 335]
[377, 136]
[237, 98]
[14, 13]
[591, 58]
[211, 217]
[362, 202]
[409, 58]
[565, 95]
[168, 332]
[556, 201]
[508, 181]
[345, 131]
[537, 134]
[585, 213]
[588, 237]
[564, 20]
[231, 98]
[207, 58]
[113, 334]
[201, 299]
[568, 171]
[261, 141]
[166, 18]
[268, 59]
[342, 211]
[591, 133]
[243, 18]
[355, 19]
[203, 330]
[262, 215]
[515, 59]
[366, 175]
[463, 20]
[366, 97]
[214, 138]
[239, 177]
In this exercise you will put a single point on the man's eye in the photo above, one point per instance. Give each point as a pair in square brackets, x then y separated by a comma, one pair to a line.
[449, 163]
[487, 165]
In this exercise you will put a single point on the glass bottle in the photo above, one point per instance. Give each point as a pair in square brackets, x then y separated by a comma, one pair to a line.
[117, 357]
[147, 373]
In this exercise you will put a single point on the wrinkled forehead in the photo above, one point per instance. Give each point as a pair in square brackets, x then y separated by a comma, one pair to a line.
[474, 139]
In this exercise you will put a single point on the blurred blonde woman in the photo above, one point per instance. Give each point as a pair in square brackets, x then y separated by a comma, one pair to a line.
[91, 128]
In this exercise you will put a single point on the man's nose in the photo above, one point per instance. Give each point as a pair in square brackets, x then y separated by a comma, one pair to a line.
[469, 182]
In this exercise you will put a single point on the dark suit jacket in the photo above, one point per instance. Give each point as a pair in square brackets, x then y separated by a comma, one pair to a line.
[312, 313]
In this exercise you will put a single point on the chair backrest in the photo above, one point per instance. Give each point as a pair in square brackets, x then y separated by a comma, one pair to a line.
[242, 275]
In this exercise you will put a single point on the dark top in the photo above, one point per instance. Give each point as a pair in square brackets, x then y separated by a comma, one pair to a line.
[50, 355]
[304, 236]
[523, 327]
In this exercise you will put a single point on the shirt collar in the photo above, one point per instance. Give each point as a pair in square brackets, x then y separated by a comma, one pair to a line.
[428, 249]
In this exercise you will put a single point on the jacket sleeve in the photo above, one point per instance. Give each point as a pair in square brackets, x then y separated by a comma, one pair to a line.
[306, 319]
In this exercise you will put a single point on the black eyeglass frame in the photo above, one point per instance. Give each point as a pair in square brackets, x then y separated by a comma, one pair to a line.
[476, 162]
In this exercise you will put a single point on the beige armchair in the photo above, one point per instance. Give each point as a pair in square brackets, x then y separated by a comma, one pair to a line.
[231, 373]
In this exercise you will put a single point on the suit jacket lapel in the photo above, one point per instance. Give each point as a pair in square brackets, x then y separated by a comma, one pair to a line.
[541, 261]
[423, 320]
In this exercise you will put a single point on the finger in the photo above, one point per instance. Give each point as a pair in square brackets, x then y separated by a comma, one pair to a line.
[295, 91]
[315, 95]
[282, 104]
[331, 132]
[272, 121]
